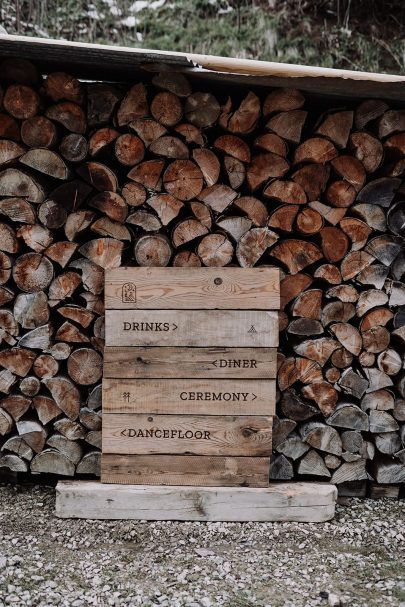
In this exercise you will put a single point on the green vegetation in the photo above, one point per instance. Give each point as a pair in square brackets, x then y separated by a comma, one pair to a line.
[365, 34]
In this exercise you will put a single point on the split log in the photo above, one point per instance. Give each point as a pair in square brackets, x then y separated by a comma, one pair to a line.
[70, 449]
[202, 213]
[21, 101]
[109, 203]
[134, 105]
[367, 149]
[190, 133]
[323, 394]
[188, 230]
[15, 183]
[244, 119]
[183, 179]
[295, 408]
[85, 366]
[98, 176]
[293, 447]
[309, 221]
[68, 114]
[281, 468]
[74, 148]
[202, 109]
[321, 437]
[101, 140]
[313, 464]
[336, 126]
[313, 179]
[349, 415]
[17, 445]
[253, 245]
[283, 100]
[296, 254]
[65, 395]
[166, 108]
[209, 165]
[186, 259]
[168, 147]
[264, 167]
[50, 461]
[215, 250]
[288, 125]
[153, 250]
[217, 197]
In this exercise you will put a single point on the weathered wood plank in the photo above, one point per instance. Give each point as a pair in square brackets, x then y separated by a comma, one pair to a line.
[187, 434]
[196, 470]
[204, 363]
[186, 288]
[301, 502]
[189, 396]
[197, 328]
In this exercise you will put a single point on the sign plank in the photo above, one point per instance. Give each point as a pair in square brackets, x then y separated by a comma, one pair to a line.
[204, 363]
[191, 288]
[187, 434]
[224, 328]
[190, 396]
[184, 470]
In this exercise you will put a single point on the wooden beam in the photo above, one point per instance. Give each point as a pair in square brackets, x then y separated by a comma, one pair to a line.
[300, 502]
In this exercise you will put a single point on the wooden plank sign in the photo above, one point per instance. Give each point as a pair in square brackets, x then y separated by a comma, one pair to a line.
[187, 434]
[186, 288]
[224, 328]
[197, 470]
[189, 375]
[189, 396]
[204, 363]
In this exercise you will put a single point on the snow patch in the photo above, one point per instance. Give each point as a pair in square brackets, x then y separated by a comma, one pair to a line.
[140, 5]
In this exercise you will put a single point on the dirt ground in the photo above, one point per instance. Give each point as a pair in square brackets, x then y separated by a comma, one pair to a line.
[356, 560]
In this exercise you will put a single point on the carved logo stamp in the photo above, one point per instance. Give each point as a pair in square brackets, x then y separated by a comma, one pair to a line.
[128, 292]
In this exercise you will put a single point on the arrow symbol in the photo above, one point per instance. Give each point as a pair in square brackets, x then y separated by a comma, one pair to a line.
[254, 396]
[214, 362]
[174, 327]
[123, 432]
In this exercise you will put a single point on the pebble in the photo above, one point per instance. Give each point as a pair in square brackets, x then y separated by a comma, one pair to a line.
[353, 561]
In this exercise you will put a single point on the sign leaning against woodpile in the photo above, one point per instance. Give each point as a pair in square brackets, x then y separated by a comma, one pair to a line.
[189, 376]
[221, 166]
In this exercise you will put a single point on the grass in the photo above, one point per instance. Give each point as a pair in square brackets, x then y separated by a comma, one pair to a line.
[281, 30]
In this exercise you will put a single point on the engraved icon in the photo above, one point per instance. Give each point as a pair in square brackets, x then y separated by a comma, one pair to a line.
[128, 293]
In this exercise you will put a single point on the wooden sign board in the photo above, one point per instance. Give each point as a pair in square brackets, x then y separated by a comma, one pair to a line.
[191, 288]
[198, 363]
[187, 434]
[189, 396]
[195, 328]
[196, 470]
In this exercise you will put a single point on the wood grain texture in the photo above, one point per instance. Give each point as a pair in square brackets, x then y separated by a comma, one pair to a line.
[226, 363]
[225, 328]
[187, 434]
[188, 288]
[184, 470]
[190, 396]
[301, 502]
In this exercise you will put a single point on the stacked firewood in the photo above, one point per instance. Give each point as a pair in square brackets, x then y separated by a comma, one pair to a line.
[94, 176]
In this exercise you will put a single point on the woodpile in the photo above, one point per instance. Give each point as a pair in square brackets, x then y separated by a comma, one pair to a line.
[94, 176]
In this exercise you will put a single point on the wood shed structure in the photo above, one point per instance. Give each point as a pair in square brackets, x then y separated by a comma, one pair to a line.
[113, 156]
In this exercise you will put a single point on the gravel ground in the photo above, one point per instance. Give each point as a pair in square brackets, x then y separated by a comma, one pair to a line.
[355, 560]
